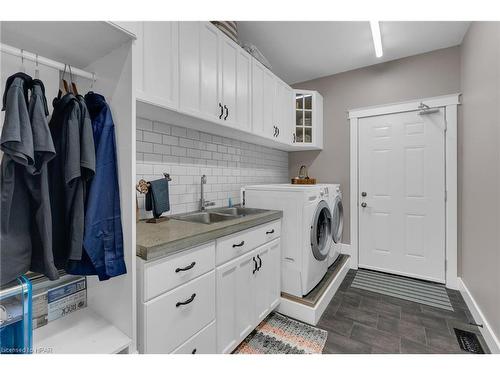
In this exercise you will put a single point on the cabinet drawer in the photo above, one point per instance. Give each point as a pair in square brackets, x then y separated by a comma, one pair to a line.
[166, 274]
[237, 244]
[177, 315]
[201, 343]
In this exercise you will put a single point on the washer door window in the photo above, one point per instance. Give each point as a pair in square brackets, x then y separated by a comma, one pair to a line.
[337, 220]
[320, 231]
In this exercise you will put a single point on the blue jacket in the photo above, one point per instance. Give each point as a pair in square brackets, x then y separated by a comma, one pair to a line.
[103, 237]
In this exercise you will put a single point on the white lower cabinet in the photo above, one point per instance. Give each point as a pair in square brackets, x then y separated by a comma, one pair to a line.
[174, 317]
[207, 299]
[247, 291]
[201, 343]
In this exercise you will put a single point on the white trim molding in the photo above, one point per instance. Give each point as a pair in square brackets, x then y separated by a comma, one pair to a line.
[491, 339]
[450, 104]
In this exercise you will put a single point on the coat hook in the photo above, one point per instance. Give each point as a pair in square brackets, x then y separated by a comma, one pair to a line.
[93, 81]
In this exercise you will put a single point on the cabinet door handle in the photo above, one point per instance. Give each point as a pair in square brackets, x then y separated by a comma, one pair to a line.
[227, 112]
[270, 231]
[239, 244]
[194, 351]
[221, 111]
[278, 131]
[185, 268]
[260, 262]
[186, 302]
[254, 265]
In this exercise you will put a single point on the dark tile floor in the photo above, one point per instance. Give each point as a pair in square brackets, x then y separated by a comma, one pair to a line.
[360, 321]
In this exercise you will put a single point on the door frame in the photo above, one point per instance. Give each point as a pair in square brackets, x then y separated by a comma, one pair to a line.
[450, 104]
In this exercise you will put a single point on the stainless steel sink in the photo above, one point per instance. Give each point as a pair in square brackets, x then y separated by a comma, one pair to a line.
[204, 217]
[237, 211]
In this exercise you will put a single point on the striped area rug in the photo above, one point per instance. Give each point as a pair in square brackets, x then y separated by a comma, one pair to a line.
[423, 292]
[278, 334]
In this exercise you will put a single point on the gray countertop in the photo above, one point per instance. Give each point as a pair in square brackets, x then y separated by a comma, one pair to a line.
[172, 236]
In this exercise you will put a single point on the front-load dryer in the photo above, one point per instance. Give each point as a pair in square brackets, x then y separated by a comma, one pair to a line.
[306, 237]
[337, 223]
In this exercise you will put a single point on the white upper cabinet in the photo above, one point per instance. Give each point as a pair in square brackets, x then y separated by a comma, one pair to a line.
[157, 63]
[308, 132]
[193, 70]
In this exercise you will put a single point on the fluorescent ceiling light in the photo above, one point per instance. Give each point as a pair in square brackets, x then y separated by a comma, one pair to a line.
[377, 39]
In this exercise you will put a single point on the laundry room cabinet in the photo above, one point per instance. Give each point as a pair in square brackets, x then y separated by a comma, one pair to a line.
[248, 289]
[214, 76]
[192, 75]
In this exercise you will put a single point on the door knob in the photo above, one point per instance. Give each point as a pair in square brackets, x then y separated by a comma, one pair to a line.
[363, 204]
[363, 194]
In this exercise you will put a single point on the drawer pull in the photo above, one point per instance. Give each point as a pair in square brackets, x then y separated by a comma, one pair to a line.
[188, 301]
[187, 268]
[255, 265]
[240, 244]
[260, 262]
[270, 231]
[194, 351]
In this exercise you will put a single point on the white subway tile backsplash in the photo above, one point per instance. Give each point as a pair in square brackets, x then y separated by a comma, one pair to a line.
[187, 154]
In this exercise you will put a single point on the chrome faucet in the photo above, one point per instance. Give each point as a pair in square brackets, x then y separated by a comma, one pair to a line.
[203, 203]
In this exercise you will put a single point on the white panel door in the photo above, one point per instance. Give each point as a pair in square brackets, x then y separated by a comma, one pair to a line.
[402, 172]
[284, 110]
[160, 63]
[235, 301]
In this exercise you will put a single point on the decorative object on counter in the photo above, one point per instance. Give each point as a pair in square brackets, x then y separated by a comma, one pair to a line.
[157, 197]
[303, 177]
[229, 28]
[278, 334]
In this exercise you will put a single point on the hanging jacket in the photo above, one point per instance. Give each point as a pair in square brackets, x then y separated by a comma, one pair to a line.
[103, 238]
[26, 242]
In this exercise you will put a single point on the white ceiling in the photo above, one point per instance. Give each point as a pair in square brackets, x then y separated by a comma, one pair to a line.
[300, 51]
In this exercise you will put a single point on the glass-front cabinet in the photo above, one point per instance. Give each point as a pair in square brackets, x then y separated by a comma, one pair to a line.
[308, 130]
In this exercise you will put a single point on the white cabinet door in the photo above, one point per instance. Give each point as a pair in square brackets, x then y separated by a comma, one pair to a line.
[243, 89]
[199, 70]
[274, 274]
[158, 81]
[189, 67]
[229, 60]
[209, 71]
[284, 112]
[235, 301]
[263, 276]
[263, 98]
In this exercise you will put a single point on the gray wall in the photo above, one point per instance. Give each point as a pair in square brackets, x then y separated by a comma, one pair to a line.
[479, 168]
[430, 74]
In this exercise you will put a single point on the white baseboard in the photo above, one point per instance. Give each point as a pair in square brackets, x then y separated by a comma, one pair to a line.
[487, 332]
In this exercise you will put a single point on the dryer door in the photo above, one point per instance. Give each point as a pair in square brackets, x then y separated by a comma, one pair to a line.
[337, 220]
[320, 231]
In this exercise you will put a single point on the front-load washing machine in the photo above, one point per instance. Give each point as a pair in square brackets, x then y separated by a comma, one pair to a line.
[306, 237]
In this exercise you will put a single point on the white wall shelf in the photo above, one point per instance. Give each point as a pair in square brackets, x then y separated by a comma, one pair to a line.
[75, 43]
[82, 332]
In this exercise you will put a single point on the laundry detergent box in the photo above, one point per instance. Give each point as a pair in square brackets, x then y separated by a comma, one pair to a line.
[52, 302]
